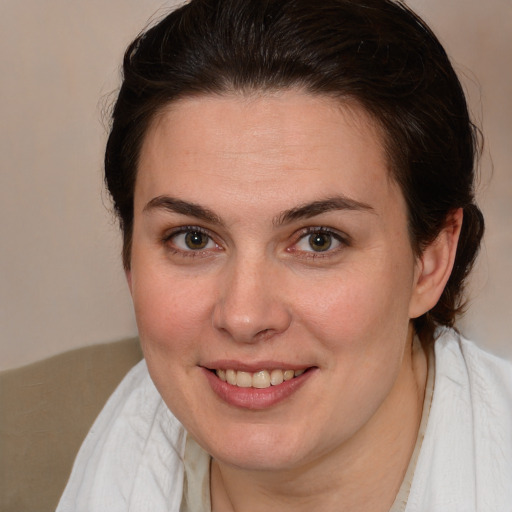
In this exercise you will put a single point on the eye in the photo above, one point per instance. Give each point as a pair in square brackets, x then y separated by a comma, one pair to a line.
[319, 240]
[196, 240]
[190, 239]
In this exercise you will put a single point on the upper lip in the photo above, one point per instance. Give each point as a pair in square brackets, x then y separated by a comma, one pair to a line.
[253, 366]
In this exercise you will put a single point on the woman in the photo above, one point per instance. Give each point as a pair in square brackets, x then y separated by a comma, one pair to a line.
[294, 182]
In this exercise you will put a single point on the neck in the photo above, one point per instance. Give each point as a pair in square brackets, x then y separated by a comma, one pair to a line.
[365, 473]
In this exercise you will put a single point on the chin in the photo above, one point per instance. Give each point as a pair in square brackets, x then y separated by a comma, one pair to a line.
[259, 449]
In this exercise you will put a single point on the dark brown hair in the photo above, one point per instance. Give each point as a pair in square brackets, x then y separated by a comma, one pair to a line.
[375, 52]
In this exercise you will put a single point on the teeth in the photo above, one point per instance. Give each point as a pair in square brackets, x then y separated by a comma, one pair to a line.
[288, 374]
[260, 380]
[276, 377]
[231, 377]
[243, 379]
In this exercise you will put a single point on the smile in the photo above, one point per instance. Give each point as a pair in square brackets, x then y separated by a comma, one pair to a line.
[256, 390]
[260, 380]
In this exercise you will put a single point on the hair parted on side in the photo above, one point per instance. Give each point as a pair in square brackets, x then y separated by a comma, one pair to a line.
[377, 53]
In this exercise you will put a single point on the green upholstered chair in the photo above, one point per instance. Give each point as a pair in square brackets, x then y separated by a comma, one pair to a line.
[46, 410]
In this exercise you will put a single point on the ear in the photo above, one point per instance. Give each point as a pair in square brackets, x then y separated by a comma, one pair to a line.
[434, 266]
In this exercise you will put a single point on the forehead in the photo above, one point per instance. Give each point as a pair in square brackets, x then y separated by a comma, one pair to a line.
[264, 143]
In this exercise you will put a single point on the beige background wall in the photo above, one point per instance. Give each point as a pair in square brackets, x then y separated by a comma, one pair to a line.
[61, 281]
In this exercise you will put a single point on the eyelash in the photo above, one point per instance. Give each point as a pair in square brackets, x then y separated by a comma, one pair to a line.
[342, 239]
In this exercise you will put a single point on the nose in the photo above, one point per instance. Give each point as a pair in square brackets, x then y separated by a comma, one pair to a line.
[251, 305]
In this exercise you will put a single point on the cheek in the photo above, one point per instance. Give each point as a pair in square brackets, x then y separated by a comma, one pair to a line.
[354, 309]
[171, 313]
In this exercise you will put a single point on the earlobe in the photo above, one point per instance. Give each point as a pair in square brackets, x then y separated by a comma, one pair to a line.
[435, 266]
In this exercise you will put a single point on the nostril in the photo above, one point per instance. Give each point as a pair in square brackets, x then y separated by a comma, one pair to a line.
[265, 334]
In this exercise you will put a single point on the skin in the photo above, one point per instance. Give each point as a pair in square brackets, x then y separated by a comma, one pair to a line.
[258, 291]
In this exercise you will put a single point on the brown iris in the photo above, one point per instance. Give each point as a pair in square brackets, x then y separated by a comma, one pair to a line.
[320, 242]
[196, 240]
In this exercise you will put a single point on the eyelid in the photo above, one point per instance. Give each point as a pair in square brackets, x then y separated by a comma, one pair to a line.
[184, 229]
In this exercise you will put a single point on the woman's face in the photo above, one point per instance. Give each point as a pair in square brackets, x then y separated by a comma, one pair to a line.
[270, 239]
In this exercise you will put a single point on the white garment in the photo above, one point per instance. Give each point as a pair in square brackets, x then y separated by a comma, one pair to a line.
[132, 459]
[465, 464]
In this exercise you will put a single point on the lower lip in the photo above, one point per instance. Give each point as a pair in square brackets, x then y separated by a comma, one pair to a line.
[253, 398]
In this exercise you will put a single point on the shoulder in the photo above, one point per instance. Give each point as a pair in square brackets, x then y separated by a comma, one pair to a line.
[131, 450]
[465, 463]
[477, 386]
[488, 377]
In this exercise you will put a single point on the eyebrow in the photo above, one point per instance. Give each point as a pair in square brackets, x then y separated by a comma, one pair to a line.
[304, 211]
[171, 204]
[314, 208]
